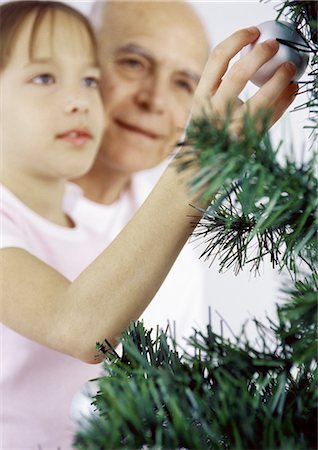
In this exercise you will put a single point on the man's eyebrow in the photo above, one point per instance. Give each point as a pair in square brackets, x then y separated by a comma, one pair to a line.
[135, 48]
[195, 77]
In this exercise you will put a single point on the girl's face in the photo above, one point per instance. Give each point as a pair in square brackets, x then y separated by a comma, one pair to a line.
[52, 116]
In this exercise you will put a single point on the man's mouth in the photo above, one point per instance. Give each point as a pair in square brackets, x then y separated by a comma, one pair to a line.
[77, 137]
[137, 129]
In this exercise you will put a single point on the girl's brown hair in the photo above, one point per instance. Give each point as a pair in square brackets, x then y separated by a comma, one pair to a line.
[12, 18]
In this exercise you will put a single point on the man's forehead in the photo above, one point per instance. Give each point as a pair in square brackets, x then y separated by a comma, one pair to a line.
[173, 11]
[171, 25]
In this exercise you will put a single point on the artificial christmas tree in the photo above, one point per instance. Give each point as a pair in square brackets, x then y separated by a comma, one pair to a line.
[232, 394]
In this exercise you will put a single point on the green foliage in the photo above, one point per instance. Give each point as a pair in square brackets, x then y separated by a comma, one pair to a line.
[260, 206]
[225, 396]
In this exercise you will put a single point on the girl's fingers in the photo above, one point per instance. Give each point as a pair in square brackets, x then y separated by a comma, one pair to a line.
[239, 74]
[283, 102]
[278, 87]
[276, 109]
[217, 95]
[220, 58]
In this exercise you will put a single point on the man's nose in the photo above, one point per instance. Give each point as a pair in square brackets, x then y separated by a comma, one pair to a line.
[152, 94]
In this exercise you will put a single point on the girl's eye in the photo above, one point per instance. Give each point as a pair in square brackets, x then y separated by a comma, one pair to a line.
[44, 79]
[91, 82]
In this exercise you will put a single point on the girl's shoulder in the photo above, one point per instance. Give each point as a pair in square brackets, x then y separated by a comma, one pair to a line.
[68, 250]
[14, 210]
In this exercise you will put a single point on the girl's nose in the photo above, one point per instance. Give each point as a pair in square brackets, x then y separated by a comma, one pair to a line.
[76, 105]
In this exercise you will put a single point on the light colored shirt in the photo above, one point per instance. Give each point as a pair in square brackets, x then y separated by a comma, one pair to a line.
[37, 384]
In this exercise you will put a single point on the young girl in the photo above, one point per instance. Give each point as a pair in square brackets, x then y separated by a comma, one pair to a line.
[58, 298]
[51, 126]
[53, 312]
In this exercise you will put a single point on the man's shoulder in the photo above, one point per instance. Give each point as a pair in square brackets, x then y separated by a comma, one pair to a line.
[99, 217]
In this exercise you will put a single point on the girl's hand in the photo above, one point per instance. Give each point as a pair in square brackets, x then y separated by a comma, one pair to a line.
[219, 89]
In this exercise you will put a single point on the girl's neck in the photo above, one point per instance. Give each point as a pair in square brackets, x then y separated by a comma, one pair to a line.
[43, 195]
[103, 184]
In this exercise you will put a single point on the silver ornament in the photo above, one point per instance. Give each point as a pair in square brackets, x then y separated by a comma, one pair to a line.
[279, 30]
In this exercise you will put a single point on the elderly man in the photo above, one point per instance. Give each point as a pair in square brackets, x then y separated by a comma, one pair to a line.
[152, 54]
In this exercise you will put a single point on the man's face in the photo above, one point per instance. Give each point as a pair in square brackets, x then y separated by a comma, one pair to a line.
[152, 55]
